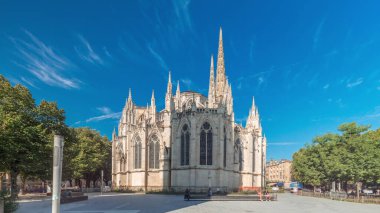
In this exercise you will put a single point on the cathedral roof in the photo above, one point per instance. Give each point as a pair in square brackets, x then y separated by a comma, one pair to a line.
[192, 92]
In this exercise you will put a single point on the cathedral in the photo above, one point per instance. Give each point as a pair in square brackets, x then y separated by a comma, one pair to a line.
[193, 142]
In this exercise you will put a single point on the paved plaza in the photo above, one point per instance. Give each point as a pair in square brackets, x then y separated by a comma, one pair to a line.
[139, 203]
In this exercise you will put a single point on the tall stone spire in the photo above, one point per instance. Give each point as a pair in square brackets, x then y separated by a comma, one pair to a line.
[169, 88]
[178, 97]
[129, 102]
[211, 88]
[252, 121]
[153, 107]
[169, 94]
[220, 69]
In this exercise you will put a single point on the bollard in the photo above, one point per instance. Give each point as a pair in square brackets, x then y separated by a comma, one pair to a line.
[57, 173]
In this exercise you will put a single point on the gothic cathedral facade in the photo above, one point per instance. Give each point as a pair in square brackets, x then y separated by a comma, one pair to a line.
[193, 143]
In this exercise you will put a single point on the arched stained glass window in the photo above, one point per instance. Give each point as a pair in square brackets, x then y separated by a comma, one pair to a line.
[238, 154]
[137, 153]
[206, 144]
[185, 145]
[154, 152]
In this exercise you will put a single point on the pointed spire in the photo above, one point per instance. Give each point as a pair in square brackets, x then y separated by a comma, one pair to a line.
[169, 88]
[129, 101]
[211, 88]
[178, 92]
[130, 94]
[253, 101]
[253, 104]
[220, 77]
[153, 100]
[177, 97]
[153, 107]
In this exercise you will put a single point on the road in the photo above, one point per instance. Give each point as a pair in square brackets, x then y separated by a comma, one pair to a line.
[140, 203]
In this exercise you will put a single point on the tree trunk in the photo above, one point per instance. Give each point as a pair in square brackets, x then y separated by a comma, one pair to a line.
[23, 184]
[14, 188]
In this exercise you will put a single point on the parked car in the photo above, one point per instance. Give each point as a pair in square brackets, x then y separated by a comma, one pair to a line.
[367, 191]
[106, 189]
[294, 190]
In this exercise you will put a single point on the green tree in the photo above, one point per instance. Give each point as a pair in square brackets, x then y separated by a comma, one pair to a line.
[93, 151]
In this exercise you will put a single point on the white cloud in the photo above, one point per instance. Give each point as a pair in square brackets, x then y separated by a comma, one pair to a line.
[187, 82]
[115, 115]
[260, 80]
[104, 110]
[157, 56]
[326, 86]
[28, 82]
[355, 83]
[317, 34]
[181, 9]
[87, 53]
[44, 63]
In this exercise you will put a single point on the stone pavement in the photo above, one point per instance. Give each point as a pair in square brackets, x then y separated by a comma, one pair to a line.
[139, 203]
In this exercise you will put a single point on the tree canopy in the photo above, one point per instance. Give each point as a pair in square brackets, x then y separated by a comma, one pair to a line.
[350, 157]
[26, 139]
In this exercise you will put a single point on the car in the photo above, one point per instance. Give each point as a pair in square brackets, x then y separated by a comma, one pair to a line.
[294, 190]
[367, 191]
[106, 189]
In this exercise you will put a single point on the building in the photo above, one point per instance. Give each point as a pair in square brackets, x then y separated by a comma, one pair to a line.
[279, 171]
[193, 142]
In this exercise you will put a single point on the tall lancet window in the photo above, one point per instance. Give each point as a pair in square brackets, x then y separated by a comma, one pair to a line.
[154, 152]
[137, 152]
[206, 145]
[238, 155]
[185, 145]
[225, 148]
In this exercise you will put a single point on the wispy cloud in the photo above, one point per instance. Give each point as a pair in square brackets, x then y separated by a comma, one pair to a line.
[187, 82]
[326, 86]
[158, 57]
[104, 110]
[181, 9]
[106, 113]
[314, 80]
[354, 83]
[44, 63]
[261, 78]
[317, 34]
[87, 53]
[338, 102]
[29, 82]
[115, 115]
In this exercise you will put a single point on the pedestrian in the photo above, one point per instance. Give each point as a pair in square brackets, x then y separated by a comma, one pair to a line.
[209, 192]
[187, 194]
[267, 196]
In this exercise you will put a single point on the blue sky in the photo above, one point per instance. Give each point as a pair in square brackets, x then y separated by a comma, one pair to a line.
[311, 65]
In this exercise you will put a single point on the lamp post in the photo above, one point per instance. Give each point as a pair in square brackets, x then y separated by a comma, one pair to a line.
[57, 173]
[101, 182]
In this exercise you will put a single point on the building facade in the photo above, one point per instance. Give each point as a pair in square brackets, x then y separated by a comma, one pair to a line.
[279, 171]
[193, 142]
